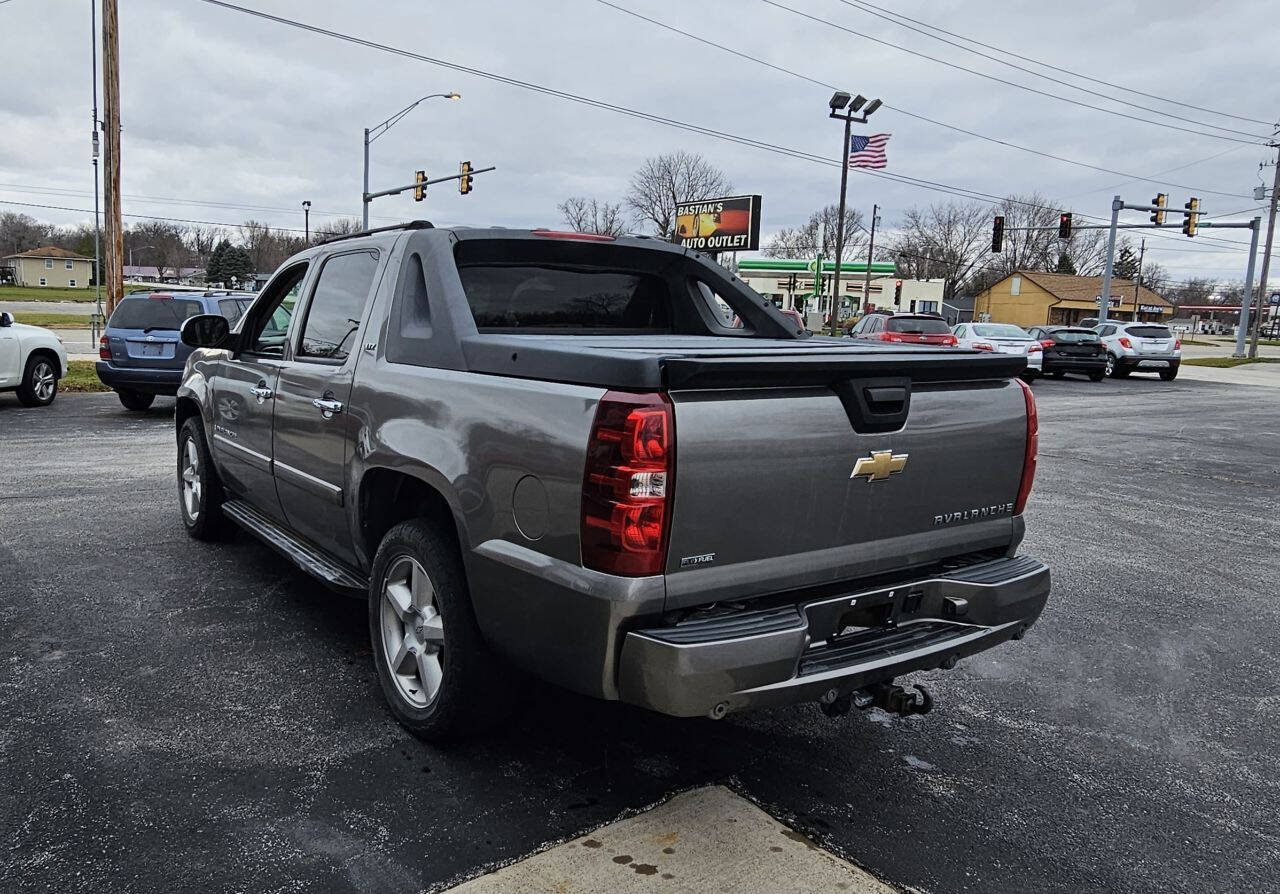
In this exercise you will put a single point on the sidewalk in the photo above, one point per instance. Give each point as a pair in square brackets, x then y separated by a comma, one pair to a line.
[708, 839]
[1266, 375]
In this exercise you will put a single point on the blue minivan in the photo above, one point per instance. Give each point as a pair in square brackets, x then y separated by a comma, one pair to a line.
[140, 354]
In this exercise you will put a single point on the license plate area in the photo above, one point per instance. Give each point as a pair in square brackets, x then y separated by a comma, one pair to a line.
[835, 620]
[153, 350]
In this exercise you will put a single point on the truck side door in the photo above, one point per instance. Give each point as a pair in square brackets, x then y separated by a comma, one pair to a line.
[313, 429]
[242, 388]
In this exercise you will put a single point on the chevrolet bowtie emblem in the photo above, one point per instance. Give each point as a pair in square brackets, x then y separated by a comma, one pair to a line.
[879, 465]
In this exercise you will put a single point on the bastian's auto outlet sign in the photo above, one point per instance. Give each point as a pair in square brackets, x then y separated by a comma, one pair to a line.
[727, 224]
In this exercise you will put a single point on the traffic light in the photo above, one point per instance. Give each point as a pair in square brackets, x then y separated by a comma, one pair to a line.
[897, 290]
[420, 191]
[464, 182]
[1064, 225]
[1157, 217]
[1192, 217]
[997, 234]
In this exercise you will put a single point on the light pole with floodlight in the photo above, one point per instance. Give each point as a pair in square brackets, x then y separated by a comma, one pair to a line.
[306, 217]
[845, 108]
[372, 133]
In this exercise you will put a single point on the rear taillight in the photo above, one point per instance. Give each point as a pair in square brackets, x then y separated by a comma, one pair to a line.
[1125, 343]
[982, 346]
[1046, 343]
[889, 336]
[104, 349]
[626, 493]
[1034, 349]
[1033, 447]
[1177, 344]
[950, 341]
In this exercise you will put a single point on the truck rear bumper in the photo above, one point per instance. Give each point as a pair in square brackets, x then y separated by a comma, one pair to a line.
[800, 652]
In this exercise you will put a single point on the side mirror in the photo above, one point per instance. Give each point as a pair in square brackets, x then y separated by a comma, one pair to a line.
[6, 319]
[207, 331]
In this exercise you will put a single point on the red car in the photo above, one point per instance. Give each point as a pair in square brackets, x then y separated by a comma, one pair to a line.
[905, 328]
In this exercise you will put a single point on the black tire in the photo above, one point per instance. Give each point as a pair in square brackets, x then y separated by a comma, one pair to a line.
[1115, 369]
[1028, 376]
[1057, 374]
[39, 384]
[136, 400]
[468, 698]
[207, 521]
[1096, 377]
[1169, 374]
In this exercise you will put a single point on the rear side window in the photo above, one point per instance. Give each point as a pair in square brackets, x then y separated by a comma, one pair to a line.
[918, 326]
[1074, 336]
[233, 308]
[1150, 331]
[154, 313]
[337, 305]
[565, 299]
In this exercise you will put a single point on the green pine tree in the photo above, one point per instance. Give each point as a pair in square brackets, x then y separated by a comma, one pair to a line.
[236, 264]
[1065, 265]
[214, 272]
[1126, 265]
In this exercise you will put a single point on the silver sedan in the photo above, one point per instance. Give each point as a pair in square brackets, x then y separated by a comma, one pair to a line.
[1002, 338]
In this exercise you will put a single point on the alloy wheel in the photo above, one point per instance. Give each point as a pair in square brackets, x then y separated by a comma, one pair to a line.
[43, 381]
[412, 632]
[192, 492]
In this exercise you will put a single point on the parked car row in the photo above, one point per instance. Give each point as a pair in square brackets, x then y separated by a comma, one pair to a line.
[1114, 349]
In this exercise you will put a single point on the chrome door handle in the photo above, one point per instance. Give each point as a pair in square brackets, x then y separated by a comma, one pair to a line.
[327, 407]
[261, 392]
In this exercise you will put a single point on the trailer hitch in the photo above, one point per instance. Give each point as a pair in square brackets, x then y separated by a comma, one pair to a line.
[896, 700]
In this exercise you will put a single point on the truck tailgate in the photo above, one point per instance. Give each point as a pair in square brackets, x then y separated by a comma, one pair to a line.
[766, 499]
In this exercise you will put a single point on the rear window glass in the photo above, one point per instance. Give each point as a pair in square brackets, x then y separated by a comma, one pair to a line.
[1074, 336]
[566, 299]
[1150, 331]
[233, 308]
[154, 313]
[999, 330]
[918, 325]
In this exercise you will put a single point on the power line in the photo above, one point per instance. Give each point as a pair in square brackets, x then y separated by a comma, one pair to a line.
[900, 110]
[1180, 167]
[214, 223]
[830, 24]
[950, 189]
[1033, 73]
[1076, 74]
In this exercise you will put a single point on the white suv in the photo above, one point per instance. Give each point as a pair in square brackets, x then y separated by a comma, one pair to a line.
[1141, 347]
[32, 360]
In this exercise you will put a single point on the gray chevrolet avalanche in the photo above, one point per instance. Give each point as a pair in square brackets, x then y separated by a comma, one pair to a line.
[610, 463]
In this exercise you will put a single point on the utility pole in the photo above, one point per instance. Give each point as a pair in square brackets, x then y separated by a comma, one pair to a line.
[1266, 257]
[871, 247]
[1137, 279]
[111, 100]
[97, 221]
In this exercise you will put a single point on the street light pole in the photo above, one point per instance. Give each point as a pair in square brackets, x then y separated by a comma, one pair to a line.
[871, 247]
[306, 217]
[372, 133]
[838, 103]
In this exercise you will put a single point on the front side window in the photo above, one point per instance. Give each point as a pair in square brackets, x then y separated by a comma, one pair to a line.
[337, 305]
[270, 326]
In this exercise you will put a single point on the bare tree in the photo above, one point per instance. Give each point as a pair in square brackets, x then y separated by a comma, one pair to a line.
[342, 226]
[664, 180]
[201, 238]
[948, 240]
[1196, 290]
[1030, 235]
[820, 233]
[20, 232]
[592, 216]
[161, 243]
[1155, 277]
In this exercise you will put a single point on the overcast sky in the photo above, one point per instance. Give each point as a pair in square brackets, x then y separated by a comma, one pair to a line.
[227, 111]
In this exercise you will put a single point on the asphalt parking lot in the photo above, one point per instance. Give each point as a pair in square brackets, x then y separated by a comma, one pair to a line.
[180, 716]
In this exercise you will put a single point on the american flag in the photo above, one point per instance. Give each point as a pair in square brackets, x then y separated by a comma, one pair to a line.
[868, 152]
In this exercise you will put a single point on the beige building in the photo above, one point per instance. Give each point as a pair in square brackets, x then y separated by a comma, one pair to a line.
[1030, 298]
[51, 267]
